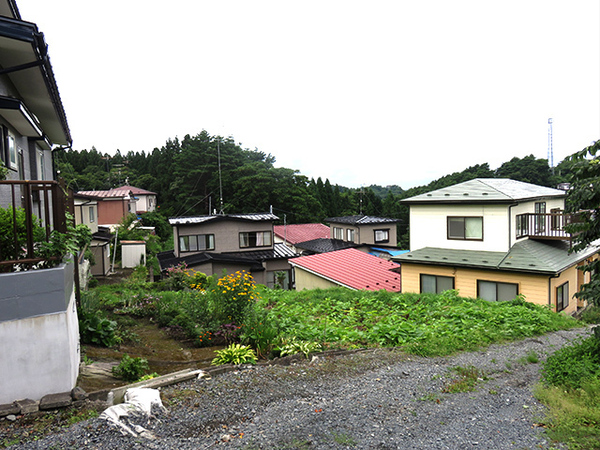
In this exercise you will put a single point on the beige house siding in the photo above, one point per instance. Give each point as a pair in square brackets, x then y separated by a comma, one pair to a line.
[226, 234]
[534, 288]
[307, 280]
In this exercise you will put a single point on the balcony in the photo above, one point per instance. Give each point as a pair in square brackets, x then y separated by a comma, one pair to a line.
[545, 226]
[45, 204]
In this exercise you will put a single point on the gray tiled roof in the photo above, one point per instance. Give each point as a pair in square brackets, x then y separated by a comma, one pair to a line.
[201, 219]
[547, 257]
[487, 190]
[360, 220]
[322, 245]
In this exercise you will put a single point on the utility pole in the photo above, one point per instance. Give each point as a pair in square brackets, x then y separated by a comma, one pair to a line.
[550, 150]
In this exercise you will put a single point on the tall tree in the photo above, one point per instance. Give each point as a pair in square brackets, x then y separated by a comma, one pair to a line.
[583, 199]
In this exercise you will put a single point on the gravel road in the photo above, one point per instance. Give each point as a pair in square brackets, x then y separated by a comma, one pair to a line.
[376, 399]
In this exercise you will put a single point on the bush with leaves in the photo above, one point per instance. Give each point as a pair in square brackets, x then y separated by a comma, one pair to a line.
[574, 364]
[131, 369]
[97, 330]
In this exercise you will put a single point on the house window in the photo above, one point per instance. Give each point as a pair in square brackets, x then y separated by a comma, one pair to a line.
[540, 217]
[338, 233]
[556, 219]
[493, 291]
[436, 284]
[91, 214]
[255, 239]
[562, 296]
[465, 228]
[382, 236]
[197, 243]
[351, 234]
[12, 151]
[40, 166]
[522, 225]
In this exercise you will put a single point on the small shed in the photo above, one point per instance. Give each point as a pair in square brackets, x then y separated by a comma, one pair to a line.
[133, 253]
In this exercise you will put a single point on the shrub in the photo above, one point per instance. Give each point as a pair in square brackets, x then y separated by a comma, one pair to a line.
[235, 354]
[260, 331]
[97, 330]
[234, 296]
[571, 365]
[131, 369]
[591, 315]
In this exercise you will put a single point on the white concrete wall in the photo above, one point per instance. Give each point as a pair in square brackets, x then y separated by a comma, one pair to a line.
[40, 355]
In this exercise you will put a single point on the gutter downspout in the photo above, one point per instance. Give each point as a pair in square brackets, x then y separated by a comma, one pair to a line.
[510, 224]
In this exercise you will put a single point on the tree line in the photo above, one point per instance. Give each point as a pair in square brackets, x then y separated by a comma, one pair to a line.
[185, 176]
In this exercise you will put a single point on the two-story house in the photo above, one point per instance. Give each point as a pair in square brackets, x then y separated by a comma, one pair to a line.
[39, 334]
[230, 242]
[145, 201]
[494, 239]
[112, 205]
[364, 230]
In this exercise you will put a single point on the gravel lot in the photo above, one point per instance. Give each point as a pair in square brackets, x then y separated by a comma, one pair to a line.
[376, 399]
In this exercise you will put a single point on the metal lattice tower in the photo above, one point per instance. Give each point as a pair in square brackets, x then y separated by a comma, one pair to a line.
[550, 150]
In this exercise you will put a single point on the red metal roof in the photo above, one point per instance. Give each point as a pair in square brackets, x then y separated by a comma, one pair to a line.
[135, 190]
[301, 232]
[106, 194]
[352, 268]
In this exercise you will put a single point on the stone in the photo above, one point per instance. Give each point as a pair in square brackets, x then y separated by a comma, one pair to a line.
[28, 406]
[11, 417]
[53, 401]
[9, 408]
[78, 394]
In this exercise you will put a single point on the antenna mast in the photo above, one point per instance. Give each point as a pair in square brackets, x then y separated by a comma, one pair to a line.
[220, 179]
[550, 150]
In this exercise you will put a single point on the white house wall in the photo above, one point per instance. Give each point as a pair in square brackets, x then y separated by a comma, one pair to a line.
[428, 226]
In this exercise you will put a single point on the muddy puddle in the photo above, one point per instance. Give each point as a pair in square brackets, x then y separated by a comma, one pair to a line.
[164, 354]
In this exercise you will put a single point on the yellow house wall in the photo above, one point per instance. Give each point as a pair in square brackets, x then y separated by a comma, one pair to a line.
[533, 287]
[306, 280]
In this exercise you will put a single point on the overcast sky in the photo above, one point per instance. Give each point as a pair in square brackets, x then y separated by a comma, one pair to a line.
[360, 92]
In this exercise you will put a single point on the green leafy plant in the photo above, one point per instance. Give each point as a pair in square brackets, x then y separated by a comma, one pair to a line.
[235, 354]
[130, 369]
[293, 346]
[98, 330]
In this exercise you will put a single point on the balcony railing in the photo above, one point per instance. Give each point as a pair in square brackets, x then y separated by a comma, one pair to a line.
[544, 226]
[45, 204]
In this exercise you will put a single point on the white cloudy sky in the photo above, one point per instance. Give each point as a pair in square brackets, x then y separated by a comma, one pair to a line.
[360, 92]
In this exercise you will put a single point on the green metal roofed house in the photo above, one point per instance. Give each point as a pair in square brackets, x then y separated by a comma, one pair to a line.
[494, 239]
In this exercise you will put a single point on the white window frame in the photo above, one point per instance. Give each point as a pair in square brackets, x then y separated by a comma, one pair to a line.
[351, 234]
[338, 233]
[191, 243]
[12, 151]
[382, 235]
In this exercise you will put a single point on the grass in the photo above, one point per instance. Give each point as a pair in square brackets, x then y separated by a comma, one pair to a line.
[571, 391]
[466, 380]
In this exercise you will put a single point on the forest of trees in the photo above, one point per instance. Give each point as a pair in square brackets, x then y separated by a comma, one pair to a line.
[185, 175]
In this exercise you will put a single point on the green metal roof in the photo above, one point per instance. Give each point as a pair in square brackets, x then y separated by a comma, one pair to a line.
[486, 190]
[532, 256]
